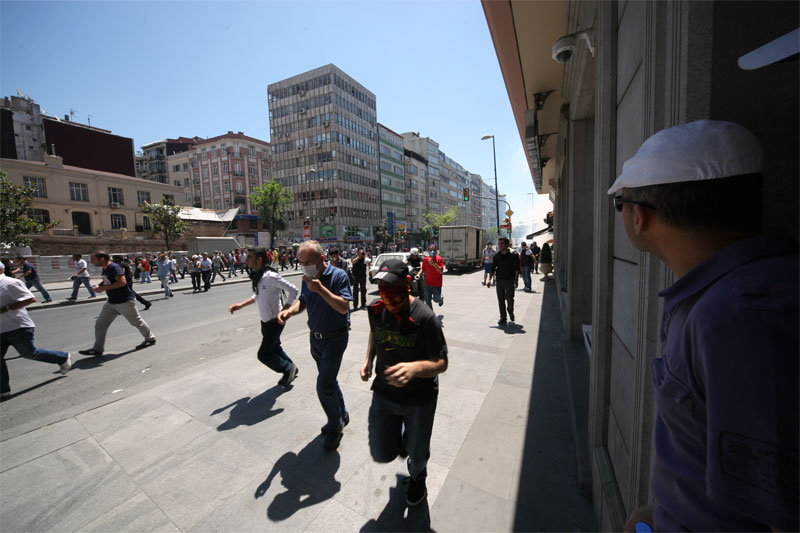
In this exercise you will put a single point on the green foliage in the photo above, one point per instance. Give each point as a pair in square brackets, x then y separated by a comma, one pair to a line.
[164, 221]
[271, 200]
[16, 203]
[435, 220]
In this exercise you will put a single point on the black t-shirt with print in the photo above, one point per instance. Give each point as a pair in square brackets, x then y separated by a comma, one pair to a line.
[419, 338]
[119, 295]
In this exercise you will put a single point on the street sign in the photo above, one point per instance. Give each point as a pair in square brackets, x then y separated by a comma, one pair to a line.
[390, 222]
[509, 213]
[504, 226]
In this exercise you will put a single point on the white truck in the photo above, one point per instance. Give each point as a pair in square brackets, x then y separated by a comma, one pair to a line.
[460, 246]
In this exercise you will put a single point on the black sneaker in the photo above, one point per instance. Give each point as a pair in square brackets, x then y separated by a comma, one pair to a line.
[511, 316]
[417, 491]
[147, 306]
[94, 352]
[501, 322]
[146, 343]
[289, 376]
[332, 439]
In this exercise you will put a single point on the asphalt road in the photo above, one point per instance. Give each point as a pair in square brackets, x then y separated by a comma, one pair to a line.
[190, 329]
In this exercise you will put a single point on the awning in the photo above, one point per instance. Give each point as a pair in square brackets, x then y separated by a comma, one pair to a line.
[246, 217]
[540, 232]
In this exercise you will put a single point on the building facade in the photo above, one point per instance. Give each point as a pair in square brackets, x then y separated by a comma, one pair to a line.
[393, 182]
[324, 137]
[156, 154]
[88, 201]
[650, 66]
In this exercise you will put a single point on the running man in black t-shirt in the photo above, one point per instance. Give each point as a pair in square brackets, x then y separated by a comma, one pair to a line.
[121, 301]
[411, 351]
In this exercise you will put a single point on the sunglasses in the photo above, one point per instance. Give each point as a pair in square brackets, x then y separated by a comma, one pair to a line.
[619, 201]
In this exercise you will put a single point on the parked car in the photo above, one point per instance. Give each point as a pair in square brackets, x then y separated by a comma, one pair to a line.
[378, 261]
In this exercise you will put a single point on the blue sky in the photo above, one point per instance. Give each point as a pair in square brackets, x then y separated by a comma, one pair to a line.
[151, 70]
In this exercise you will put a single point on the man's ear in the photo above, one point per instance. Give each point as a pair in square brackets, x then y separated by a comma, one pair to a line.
[642, 219]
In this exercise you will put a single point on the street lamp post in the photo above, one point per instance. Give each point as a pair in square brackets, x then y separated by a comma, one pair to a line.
[496, 200]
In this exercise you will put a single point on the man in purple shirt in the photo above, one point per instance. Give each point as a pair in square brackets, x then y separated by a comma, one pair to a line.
[726, 383]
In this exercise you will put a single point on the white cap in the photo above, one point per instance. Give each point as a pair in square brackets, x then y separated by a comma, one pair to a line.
[700, 150]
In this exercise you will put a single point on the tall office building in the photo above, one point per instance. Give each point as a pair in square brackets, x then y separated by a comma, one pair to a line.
[393, 182]
[323, 132]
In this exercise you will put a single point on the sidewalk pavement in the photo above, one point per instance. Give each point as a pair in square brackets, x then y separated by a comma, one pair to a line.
[223, 448]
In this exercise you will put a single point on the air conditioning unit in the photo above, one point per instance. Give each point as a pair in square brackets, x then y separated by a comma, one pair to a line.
[317, 144]
[302, 93]
[302, 110]
[114, 205]
[326, 123]
[301, 148]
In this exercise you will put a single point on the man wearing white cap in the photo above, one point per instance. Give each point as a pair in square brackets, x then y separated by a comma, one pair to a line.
[16, 329]
[726, 383]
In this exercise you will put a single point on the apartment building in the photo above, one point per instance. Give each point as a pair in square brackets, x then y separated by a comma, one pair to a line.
[91, 201]
[393, 182]
[156, 154]
[324, 137]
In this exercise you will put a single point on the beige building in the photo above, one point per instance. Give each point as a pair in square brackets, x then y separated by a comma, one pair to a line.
[625, 71]
[93, 202]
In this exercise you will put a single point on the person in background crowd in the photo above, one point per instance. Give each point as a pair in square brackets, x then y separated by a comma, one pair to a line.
[359, 273]
[486, 262]
[217, 266]
[407, 340]
[173, 269]
[505, 271]
[527, 260]
[81, 276]
[232, 265]
[205, 270]
[120, 302]
[268, 286]
[545, 261]
[432, 269]
[536, 251]
[242, 261]
[146, 270]
[326, 293]
[195, 273]
[726, 380]
[163, 265]
[17, 329]
[31, 278]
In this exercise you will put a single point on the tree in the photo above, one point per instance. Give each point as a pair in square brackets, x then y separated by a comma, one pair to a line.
[435, 220]
[16, 208]
[271, 200]
[164, 220]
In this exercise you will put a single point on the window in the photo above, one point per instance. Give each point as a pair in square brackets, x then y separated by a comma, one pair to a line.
[176, 168]
[226, 186]
[42, 216]
[237, 168]
[226, 168]
[253, 223]
[36, 183]
[78, 192]
[142, 197]
[205, 172]
[146, 223]
[117, 221]
[185, 166]
[239, 187]
[235, 150]
[251, 150]
[252, 170]
[115, 196]
[168, 199]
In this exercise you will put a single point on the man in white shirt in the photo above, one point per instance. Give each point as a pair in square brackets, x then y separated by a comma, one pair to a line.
[267, 288]
[16, 329]
[486, 262]
[81, 276]
[205, 270]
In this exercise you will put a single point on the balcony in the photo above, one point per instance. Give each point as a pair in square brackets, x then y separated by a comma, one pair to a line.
[239, 200]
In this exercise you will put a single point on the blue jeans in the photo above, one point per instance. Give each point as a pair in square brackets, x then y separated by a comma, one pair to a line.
[432, 293]
[22, 340]
[392, 424]
[146, 276]
[165, 285]
[76, 284]
[327, 353]
[271, 353]
[38, 284]
[526, 277]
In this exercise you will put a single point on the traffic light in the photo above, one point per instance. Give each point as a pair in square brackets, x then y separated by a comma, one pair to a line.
[402, 235]
[466, 194]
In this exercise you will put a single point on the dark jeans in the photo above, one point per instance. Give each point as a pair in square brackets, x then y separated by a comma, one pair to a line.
[22, 340]
[526, 277]
[38, 284]
[505, 296]
[139, 298]
[206, 279]
[271, 352]
[76, 284]
[196, 284]
[359, 284]
[217, 271]
[327, 353]
[392, 424]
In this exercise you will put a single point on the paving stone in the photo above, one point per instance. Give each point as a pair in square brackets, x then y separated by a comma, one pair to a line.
[336, 518]
[507, 404]
[493, 471]
[137, 514]
[462, 507]
[20, 450]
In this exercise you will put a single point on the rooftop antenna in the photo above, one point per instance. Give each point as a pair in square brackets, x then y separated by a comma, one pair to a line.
[72, 113]
[89, 118]
[20, 94]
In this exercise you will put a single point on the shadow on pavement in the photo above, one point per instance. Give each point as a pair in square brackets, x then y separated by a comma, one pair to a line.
[250, 411]
[394, 517]
[549, 498]
[313, 462]
[93, 361]
[29, 389]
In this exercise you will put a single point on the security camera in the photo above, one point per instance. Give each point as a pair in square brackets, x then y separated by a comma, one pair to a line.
[564, 47]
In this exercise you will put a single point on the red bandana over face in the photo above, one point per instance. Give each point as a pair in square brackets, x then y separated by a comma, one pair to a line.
[395, 298]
